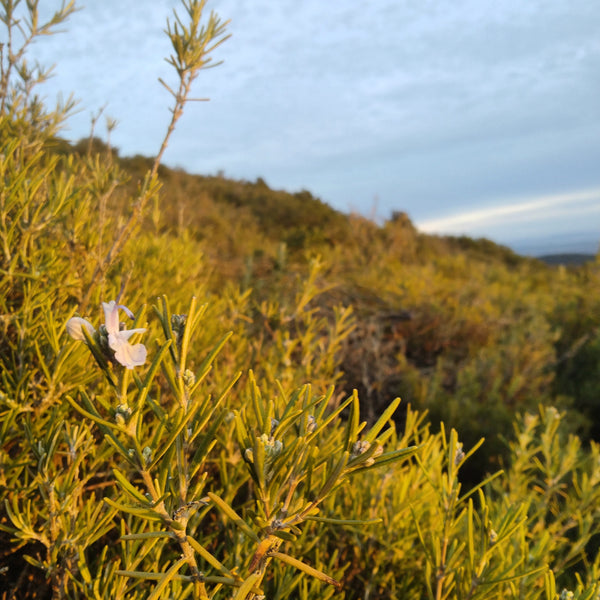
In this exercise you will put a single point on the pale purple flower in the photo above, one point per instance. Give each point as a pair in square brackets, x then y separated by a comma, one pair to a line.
[75, 327]
[127, 354]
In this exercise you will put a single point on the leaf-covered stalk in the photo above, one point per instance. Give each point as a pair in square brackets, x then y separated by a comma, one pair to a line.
[193, 43]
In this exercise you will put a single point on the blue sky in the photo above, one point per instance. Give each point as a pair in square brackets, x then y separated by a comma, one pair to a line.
[473, 117]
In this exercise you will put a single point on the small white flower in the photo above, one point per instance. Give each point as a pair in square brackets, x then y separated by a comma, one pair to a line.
[75, 327]
[127, 354]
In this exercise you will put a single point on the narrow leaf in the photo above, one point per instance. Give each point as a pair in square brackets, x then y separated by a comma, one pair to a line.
[130, 489]
[167, 577]
[298, 564]
[228, 511]
[208, 557]
[516, 576]
[382, 421]
[247, 586]
[345, 521]
[146, 535]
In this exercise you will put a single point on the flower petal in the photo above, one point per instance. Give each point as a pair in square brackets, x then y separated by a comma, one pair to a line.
[75, 327]
[131, 356]
[127, 311]
[111, 316]
[128, 355]
[127, 333]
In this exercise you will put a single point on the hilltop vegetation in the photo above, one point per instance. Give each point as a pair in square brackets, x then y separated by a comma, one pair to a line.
[240, 436]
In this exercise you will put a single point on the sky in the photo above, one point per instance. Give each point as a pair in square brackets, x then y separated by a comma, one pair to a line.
[472, 117]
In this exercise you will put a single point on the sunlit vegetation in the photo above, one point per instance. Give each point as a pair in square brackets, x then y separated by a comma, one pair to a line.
[248, 441]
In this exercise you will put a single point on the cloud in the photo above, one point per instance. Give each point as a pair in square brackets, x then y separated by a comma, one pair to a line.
[540, 209]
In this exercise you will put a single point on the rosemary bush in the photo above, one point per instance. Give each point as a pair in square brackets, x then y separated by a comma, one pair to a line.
[182, 453]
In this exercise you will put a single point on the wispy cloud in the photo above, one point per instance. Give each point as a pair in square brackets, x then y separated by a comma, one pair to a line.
[509, 213]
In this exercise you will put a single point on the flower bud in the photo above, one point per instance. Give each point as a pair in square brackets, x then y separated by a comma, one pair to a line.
[273, 450]
[178, 326]
[189, 378]
[359, 447]
[459, 454]
[147, 454]
[122, 414]
[274, 425]
[272, 447]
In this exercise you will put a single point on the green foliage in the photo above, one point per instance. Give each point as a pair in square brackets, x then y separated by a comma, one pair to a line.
[215, 449]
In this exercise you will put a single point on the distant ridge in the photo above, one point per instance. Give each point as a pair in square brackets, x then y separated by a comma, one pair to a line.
[567, 259]
[208, 206]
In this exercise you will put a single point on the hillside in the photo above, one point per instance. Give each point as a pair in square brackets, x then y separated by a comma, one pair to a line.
[464, 328]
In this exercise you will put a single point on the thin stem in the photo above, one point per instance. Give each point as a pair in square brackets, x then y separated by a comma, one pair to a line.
[145, 195]
[441, 569]
[35, 30]
[192, 48]
[179, 534]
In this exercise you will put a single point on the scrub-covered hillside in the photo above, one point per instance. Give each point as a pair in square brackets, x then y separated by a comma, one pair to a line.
[212, 389]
